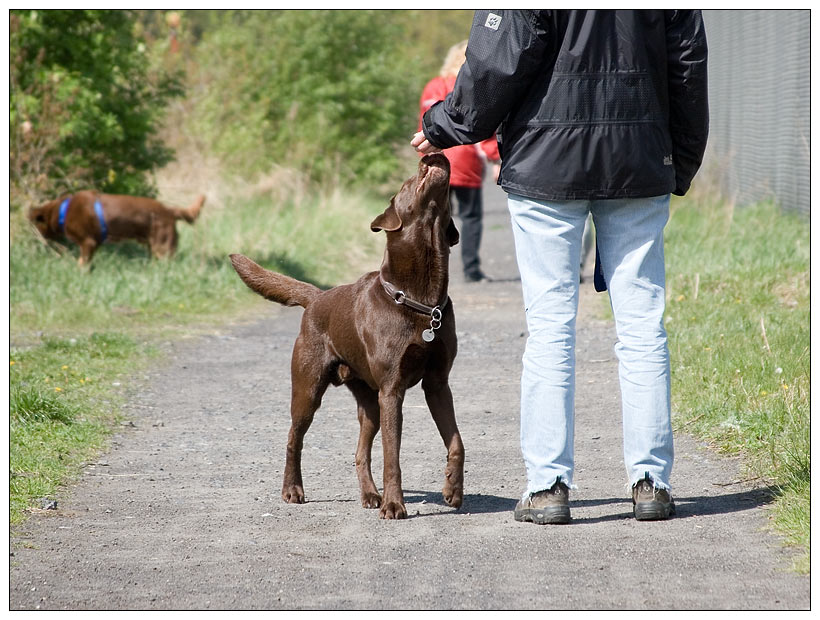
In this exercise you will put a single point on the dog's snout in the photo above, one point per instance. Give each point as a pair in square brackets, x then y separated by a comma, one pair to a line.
[434, 170]
[436, 159]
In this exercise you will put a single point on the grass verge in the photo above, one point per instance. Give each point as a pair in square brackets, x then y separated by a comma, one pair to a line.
[738, 322]
[77, 338]
[63, 403]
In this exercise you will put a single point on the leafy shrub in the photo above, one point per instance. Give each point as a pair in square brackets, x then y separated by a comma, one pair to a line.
[84, 105]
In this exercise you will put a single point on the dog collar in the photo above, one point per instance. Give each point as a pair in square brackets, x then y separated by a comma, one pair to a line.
[434, 312]
[63, 211]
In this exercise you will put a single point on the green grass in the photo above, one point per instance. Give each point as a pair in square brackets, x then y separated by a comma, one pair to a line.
[738, 320]
[79, 338]
[63, 403]
[322, 240]
[737, 317]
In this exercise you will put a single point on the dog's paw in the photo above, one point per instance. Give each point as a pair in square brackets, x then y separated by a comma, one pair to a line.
[453, 496]
[393, 510]
[293, 494]
[453, 490]
[371, 500]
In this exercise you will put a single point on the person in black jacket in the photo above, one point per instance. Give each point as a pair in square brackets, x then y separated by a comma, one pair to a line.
[601, 112]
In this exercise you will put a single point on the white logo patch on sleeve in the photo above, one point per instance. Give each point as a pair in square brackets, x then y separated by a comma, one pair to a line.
[493, 21]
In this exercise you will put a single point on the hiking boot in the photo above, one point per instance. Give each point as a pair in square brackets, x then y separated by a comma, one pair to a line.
[651, 503]
[545, 507]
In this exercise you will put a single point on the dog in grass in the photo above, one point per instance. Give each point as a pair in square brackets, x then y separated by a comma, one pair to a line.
[89, 219]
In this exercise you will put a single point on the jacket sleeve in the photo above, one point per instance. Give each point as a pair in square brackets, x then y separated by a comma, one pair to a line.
[504, 51]
[688, 94]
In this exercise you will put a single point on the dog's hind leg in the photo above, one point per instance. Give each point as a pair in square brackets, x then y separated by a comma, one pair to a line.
[368, 405]
[440, 401]
[308, 385]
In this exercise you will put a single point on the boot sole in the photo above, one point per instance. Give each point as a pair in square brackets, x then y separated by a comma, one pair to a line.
[653, 511]
[553, 515]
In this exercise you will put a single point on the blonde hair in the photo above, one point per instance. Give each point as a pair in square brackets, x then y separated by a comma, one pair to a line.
[455, 58]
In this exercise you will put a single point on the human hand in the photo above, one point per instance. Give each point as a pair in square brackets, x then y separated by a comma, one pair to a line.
[422, 145]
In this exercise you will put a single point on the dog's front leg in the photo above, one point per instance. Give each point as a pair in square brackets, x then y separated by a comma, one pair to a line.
[390, 402]
[87, 249]
[440, 401]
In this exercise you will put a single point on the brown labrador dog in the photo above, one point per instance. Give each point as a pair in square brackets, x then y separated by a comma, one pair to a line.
[379, 336]
[89, 218]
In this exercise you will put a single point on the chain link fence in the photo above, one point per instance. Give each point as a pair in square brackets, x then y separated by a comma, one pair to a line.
[759, 102]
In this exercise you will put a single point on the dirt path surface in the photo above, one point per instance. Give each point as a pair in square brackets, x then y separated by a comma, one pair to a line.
[184, 511]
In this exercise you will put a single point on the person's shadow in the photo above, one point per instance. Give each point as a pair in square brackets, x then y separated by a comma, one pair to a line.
[685, 507]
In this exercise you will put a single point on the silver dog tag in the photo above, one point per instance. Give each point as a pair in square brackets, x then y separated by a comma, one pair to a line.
[428, 335]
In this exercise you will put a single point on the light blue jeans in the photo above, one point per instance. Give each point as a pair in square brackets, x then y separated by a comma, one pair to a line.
[548, 238]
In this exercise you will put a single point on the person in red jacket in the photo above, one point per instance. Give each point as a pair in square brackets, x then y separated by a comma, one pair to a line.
[466, 166]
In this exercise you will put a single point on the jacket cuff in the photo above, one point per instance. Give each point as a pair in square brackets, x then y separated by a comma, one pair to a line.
[429, 127]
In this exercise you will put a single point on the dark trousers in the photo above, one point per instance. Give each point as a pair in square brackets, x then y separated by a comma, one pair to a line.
[470, 210]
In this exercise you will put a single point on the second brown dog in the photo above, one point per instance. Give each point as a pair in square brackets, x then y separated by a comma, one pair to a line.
[379, 336]
[89, 218]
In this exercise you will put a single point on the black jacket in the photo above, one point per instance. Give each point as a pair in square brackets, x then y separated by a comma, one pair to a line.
[588, 104]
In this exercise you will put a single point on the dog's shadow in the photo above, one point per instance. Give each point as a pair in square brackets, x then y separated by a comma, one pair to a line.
[139, 256]
[474, 503]
[274, 261]
[126, 249]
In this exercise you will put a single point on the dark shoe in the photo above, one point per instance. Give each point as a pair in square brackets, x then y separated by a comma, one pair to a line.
[475, 276]
[545, 507]
[651, 503]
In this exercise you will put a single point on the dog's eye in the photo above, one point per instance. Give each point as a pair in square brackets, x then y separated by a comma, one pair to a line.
[41, 218]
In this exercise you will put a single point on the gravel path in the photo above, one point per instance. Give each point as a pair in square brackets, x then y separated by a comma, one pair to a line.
[184, 511]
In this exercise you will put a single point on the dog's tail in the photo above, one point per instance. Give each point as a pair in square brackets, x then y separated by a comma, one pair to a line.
[273, 286]
[190, 213]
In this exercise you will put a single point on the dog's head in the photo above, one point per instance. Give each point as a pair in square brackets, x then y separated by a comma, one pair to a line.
[41, 218]
[423, 202]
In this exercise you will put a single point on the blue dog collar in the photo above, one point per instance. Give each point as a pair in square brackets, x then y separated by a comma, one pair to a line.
[103, 228]
[63, 211]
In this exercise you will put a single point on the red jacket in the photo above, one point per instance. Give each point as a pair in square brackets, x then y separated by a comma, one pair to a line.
[467, 161]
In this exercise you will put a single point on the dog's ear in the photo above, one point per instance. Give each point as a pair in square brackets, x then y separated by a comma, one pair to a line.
[388, 221]
[452, 234]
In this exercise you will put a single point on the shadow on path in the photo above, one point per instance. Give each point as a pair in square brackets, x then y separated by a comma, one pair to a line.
[686, 507]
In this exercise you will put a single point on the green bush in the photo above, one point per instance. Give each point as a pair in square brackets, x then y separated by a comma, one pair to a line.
[84, 104]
